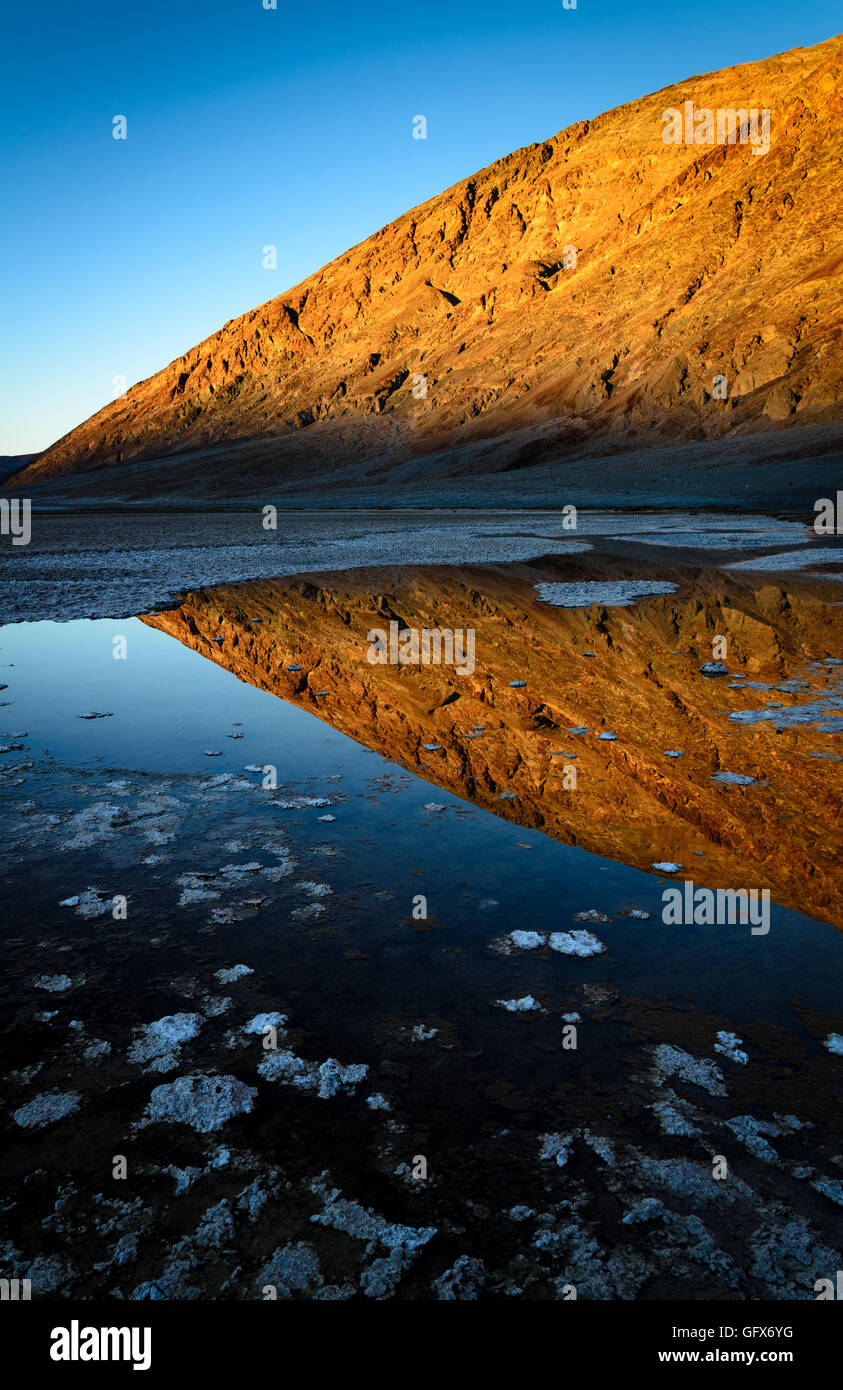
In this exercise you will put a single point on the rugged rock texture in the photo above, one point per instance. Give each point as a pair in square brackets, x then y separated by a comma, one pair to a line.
[691, 261]
[632, 802]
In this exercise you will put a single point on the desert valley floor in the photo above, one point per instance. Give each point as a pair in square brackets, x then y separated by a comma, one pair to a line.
[534, 1086]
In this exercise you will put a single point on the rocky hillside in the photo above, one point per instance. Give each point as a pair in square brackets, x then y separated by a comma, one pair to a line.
[590, 287]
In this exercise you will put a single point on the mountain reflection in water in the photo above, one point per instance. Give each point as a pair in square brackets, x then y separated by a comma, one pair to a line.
[547, 682]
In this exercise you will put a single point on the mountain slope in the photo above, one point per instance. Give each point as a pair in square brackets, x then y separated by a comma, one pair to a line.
[467, 320]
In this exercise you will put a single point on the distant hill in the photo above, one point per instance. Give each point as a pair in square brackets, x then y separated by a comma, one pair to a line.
[13, 463]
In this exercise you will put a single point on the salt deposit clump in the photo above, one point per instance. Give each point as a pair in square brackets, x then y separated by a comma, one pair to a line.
[204, 1102]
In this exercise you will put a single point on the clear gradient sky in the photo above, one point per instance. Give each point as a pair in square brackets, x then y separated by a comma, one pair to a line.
[290, 127]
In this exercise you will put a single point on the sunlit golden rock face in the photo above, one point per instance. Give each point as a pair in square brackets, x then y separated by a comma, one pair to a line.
[590, 286]
[631, 802]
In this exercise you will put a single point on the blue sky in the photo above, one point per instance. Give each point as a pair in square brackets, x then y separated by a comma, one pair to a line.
[290, 127]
